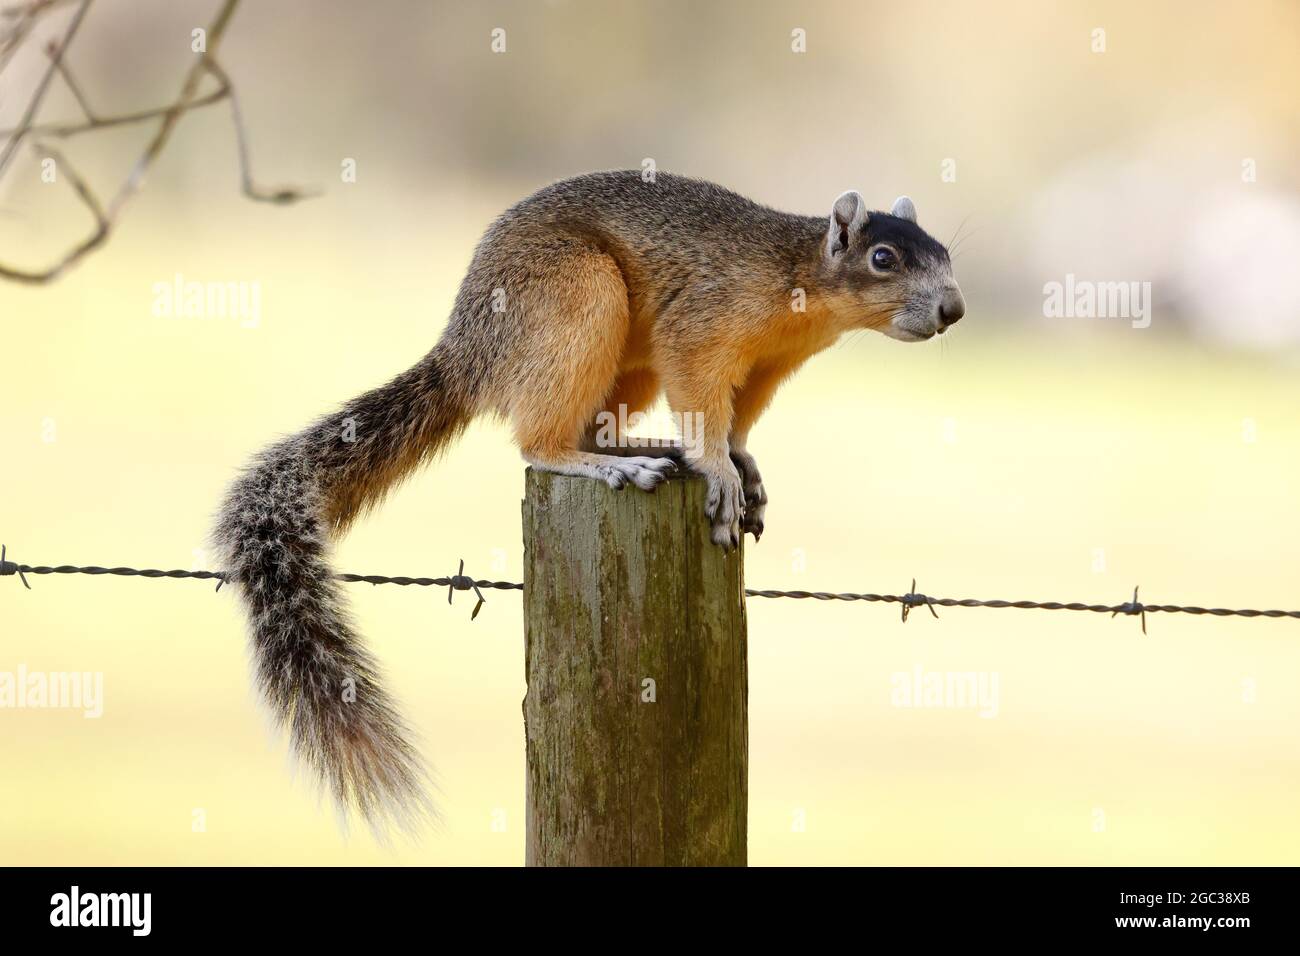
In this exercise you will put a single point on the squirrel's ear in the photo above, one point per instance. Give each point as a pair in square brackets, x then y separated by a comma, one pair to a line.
[904, 208]
[848, 216]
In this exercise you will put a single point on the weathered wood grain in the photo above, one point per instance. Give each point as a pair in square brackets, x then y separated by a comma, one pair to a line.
[621, 588]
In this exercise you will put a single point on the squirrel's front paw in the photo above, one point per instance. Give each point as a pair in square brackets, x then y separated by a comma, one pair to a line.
[755, 496]
[725, 507]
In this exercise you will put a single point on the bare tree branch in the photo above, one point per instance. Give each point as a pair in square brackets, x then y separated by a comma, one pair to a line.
[11, 37]
[93, 241]
[41, 88]
[52, 51]
[67, 130]
[24, 16]
[283, 195]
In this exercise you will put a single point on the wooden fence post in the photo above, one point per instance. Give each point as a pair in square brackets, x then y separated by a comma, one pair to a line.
[636, 710]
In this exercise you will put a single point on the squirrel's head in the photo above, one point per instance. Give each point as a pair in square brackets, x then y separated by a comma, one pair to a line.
[885, 272]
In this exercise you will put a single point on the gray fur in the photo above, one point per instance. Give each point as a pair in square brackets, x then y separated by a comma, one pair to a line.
[272, 536]
[848, 216]
[903, 208]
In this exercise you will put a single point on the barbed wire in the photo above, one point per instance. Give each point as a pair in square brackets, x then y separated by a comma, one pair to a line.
[463, 582]
[452, 582]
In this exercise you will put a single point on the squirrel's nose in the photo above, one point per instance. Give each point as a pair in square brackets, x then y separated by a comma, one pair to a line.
[952, 307]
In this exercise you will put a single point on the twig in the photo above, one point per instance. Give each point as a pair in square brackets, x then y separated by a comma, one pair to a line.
[67, 130]
[25, 16]
[188, 99]
[53, 52]
[96, 238]
[283, 195]
[136, 179]
[41, 89]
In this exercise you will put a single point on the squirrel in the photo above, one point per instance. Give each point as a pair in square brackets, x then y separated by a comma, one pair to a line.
[593, 294]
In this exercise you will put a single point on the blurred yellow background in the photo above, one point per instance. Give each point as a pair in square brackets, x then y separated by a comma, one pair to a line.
[1018, 457]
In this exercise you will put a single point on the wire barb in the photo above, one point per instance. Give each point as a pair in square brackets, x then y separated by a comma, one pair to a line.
[459, 582]
[911, 599]
[1133, 607]
[9, 567]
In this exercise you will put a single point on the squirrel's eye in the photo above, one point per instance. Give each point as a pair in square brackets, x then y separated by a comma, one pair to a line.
[884, 259]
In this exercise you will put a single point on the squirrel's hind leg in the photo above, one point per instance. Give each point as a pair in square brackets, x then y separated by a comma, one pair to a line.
[633, 394]
[548, 444]
[567, 366]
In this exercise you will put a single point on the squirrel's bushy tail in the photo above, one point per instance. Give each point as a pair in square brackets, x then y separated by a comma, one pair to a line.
[273, 538]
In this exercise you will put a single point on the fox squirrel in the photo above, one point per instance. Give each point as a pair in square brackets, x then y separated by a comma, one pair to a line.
[592, 294]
